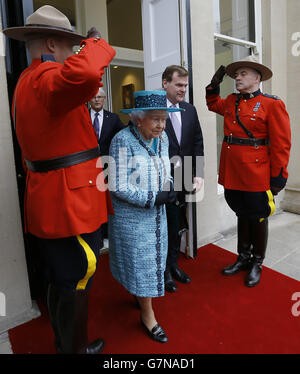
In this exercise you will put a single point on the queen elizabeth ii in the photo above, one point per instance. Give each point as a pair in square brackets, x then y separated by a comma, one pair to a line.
[140, 187]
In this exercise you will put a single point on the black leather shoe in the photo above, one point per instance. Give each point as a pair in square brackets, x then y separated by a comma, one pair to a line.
[242, 263]
[253, 277]
[170, 285]
[95, 347]
[157, 333]
[180, 275]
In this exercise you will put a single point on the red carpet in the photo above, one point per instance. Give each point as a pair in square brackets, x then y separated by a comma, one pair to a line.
[213, 314]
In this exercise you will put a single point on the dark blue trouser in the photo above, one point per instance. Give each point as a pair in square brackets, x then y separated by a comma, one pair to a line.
[70, 263]
[175, 215]
[254, 206]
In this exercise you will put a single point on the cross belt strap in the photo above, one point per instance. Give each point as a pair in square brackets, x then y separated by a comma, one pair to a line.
[64, 161]
[248, 132]
[245, 141]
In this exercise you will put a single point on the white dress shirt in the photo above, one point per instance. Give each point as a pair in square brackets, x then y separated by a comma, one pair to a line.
[178, 114]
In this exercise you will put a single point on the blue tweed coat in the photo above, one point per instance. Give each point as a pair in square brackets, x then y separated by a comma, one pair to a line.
[138, 238]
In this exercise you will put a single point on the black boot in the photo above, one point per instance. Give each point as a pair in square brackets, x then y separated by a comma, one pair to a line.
[72, 323]
[243, 248]
[259, 234]
[52, 302]
[170, 285]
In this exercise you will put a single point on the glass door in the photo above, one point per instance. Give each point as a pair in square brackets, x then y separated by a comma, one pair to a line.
[237, 26]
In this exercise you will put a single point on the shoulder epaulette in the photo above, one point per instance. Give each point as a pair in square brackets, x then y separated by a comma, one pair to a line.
[272, 96]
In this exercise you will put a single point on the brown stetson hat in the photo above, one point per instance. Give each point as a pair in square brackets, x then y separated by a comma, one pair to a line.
[46, 20]
[249, 62]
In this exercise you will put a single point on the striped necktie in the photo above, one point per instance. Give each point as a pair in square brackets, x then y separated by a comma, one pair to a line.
[96, 124]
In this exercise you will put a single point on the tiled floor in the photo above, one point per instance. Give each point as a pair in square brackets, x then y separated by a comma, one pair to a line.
[283, 252]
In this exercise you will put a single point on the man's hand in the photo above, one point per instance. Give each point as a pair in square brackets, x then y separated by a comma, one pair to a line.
[198, 183]
[93, 33]
[218, 77]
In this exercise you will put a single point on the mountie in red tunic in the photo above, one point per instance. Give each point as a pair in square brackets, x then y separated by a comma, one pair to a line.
[246, 167]
[52, 120]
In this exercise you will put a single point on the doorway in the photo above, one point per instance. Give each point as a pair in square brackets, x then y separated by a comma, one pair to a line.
[125, 80]
[125, 34]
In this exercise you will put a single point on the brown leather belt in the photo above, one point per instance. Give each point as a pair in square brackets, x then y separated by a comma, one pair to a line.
[63, 161]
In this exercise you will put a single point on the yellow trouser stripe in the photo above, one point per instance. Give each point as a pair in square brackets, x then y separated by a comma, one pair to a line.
[271, 203]
[91, 259]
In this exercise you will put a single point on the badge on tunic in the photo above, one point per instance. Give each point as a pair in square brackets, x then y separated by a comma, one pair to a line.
[256, 107]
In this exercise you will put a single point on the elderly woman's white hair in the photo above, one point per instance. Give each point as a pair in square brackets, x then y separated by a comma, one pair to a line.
[137, 115]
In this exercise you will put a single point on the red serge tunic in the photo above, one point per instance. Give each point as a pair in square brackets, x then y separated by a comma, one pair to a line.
[244, 167]
[52, 120]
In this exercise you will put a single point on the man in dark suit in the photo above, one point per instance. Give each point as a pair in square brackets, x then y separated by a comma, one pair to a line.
[106, 124]
[185, 139]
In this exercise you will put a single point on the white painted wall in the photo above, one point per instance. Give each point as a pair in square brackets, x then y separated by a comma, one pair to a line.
[14, 285]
